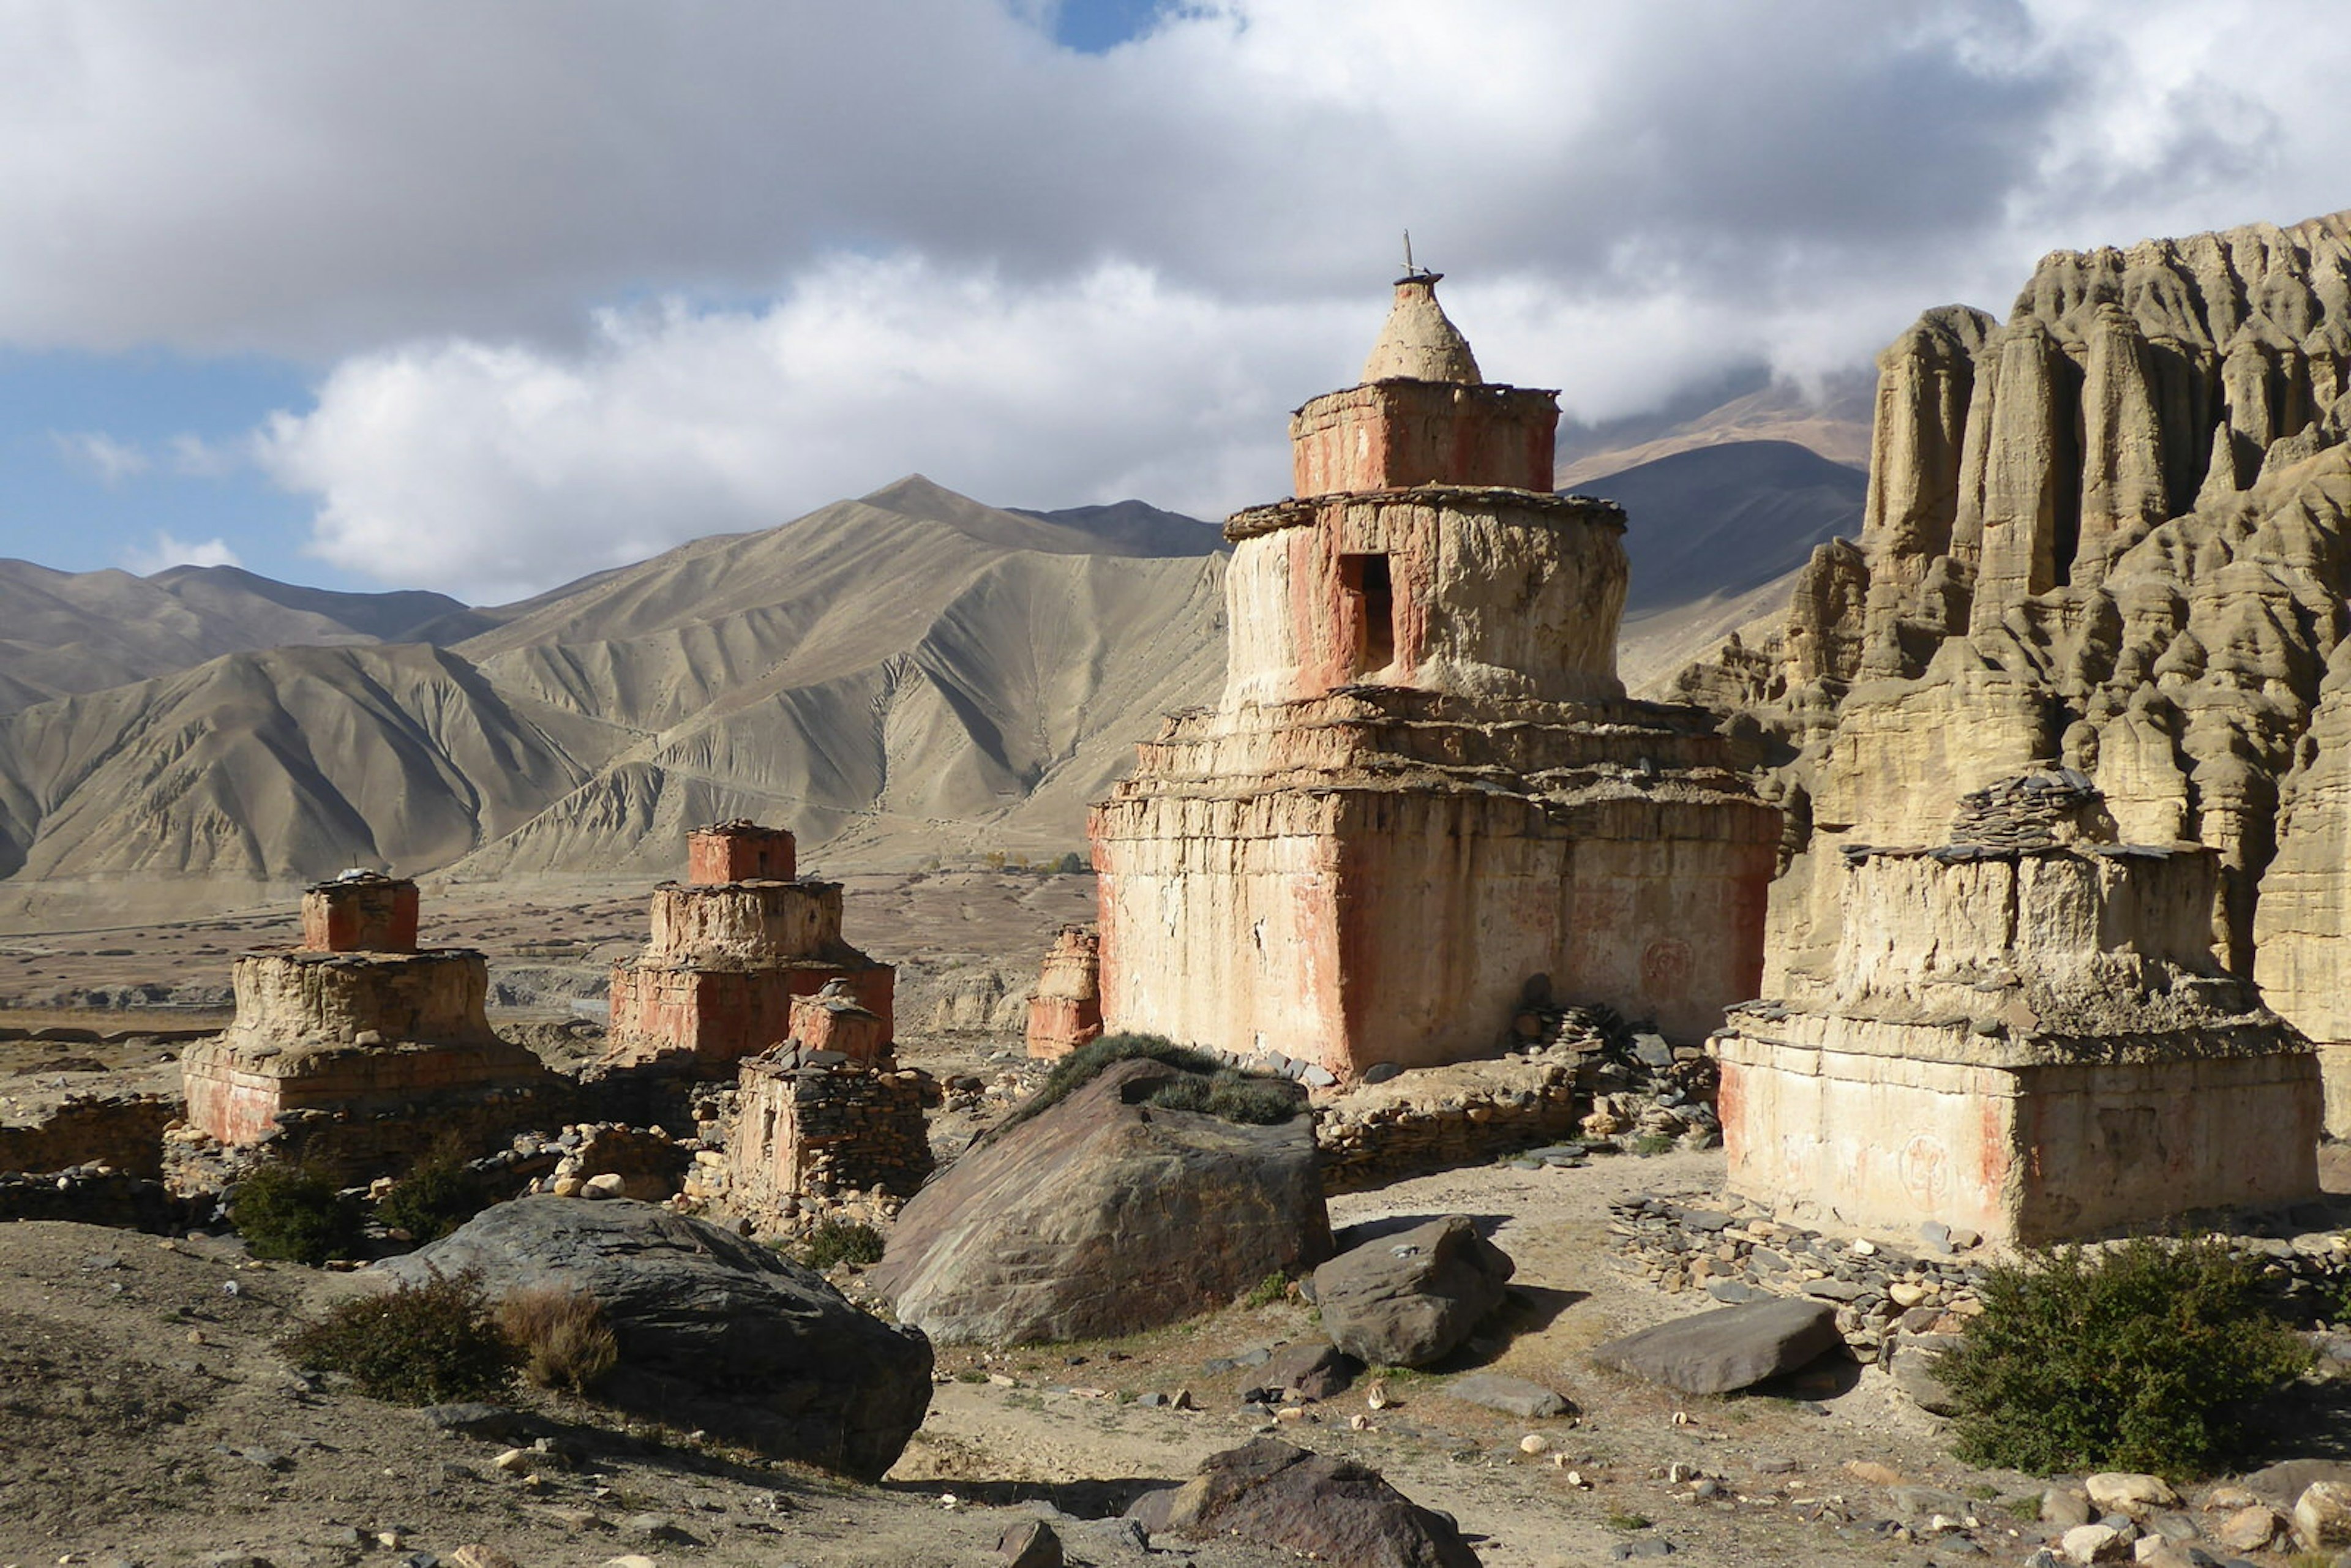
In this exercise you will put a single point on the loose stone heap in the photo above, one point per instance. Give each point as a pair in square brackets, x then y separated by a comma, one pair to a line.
[2108, 533]
[387, 1043]
[1581, 1081]
[2028, 1038]
[731, 947]
[1065, 1012]
[1930, 1283]
[1424, 785]
[828, 1114]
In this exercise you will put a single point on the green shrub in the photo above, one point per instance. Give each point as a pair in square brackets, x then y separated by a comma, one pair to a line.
[1268, 1291]
[440, 1193]
[1071, 863]
[2128, 1361]
[1234, 1096]
[562, 1337]
[419, 1344]
[295, 1212]
[831, 1242]
[1652, 1143]
[1212, 1087]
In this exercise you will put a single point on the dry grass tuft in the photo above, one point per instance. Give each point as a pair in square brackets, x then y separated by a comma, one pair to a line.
[565, 1341]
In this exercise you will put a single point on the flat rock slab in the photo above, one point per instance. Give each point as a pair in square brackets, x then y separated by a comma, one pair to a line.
[1410, 1298]
[1732, 1348]
[1511, 1395]
[1322, 1506]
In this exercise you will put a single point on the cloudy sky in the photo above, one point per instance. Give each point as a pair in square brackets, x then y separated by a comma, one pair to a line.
[481, 295]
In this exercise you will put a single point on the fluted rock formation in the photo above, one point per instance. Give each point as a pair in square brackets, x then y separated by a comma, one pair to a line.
[2107, 534]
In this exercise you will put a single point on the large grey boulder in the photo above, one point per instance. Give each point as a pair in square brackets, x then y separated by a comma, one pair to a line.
[1104, 1215]
[1410, 1298]
[715, 1332]
[1736, 1347]
[1330, 1510]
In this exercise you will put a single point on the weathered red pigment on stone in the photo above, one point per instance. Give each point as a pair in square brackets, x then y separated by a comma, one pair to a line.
[833, 1019]
[363, 914]
[1065, 1012]
[718, 980]
[1392, 434]
[1425, 784]
[373, 1033]
[739, 851]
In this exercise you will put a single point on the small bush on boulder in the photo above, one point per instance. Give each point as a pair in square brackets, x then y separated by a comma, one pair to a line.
[562, 1335]
[416, 1345]
[1209, 1085]
[295, 1212]
[2130, 1359]
[440, 1193]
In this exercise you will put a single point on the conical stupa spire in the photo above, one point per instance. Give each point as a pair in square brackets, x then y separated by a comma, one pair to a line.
[1419, 343]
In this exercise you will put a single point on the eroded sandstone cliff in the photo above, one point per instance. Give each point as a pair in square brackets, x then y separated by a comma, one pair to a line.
[2108, 533]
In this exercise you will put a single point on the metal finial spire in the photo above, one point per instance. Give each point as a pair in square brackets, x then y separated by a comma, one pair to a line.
[1411, 272]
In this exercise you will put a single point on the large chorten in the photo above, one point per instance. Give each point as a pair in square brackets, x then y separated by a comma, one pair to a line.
[1424, 796]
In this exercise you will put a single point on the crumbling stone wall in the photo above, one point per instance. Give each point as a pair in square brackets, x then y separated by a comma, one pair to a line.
[122, 1132]
[806, 1125]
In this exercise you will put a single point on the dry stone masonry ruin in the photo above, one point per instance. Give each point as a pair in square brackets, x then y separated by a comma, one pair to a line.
[2023, 1032]
[828, 1114]
[360, 1026]
[732, 947]
[1424, 790]
[2107, 534]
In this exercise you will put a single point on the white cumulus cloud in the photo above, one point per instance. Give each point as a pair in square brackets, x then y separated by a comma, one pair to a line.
[102, 456]
[163, 551]
[584, 277]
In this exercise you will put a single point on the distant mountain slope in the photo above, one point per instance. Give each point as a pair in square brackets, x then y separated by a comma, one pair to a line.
[909, 674]
[63, 633]
[1716, 521]
[902, 671]
[1714, 533]
[282, 765]
[1140, 524]
[1831, 419]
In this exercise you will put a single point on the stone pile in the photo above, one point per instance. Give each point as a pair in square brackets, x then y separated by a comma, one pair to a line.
[1884, 1293]
[1578, 1079]
[1740, 1253]
[814, 1129]
[98, 1194]
[2031, 811]
[611, 1160]
[123, 1132]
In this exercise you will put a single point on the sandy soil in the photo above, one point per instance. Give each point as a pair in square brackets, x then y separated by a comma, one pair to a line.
[137, 1379]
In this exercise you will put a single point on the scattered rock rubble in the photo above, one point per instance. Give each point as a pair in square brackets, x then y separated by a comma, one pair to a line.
[1570, 1073]
[1886, 1296]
